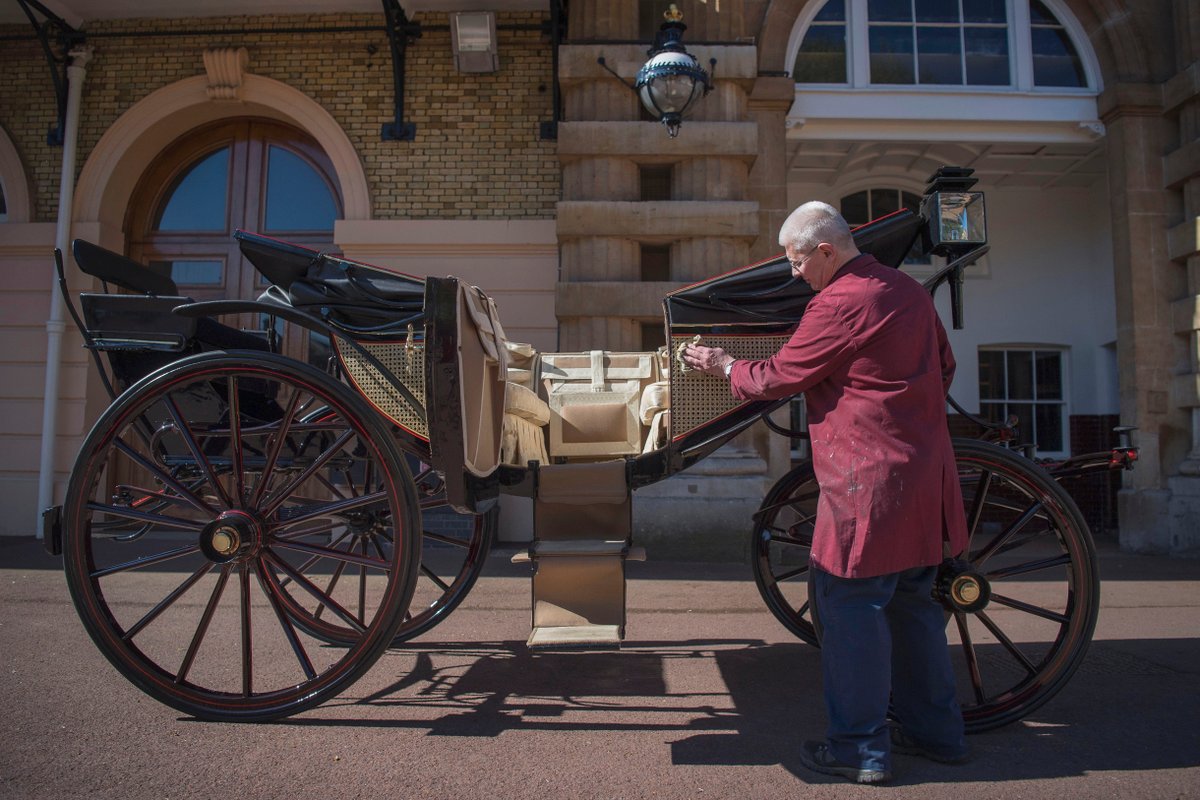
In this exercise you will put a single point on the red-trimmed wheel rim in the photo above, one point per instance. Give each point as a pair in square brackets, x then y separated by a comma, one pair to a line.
[1021, 605]
[208, 519]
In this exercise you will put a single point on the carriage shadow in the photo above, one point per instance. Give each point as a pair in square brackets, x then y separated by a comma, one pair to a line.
[1131, 707]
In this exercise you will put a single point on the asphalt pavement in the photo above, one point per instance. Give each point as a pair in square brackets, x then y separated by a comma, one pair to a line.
[709, 698]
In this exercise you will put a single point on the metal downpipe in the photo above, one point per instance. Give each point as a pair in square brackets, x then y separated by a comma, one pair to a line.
[55, 325]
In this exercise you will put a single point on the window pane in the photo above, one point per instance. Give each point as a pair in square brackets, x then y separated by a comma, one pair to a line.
[937, 10]
[1049, 427]
[822, 56]
[833, 11]
[198, 200]
[1020, 375]
[1049, 375]
[992, 412]
[985, 11]
[1040, 15]
[855, 208]
[884, 202]
[987, 56]
[192, 273]
[939, 56]
[910, 201]
[297, 197]
[1024, 414]
[655, 180]
[889, 11]
[891, 55]
[991, 374]
[1055, 62]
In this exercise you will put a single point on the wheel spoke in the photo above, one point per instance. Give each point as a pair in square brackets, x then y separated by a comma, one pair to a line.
[1028, 608]
[337, 575]
[783, 538]
[969, 652]
[1030, 667]
[189, 439]
[308, 586]
[145, 516]
[428, 573]
[787, 576]
[235, 440]
[337, 555]
[277, 498]
[202, 629]
[335, 508]
[1020, 522]
[146, 464]
[444, 539]
[247, 648]
[269, 589]
[983, 485]
[167, 601]
[277, 442]
[1032, 566]
[145, 561]
[362, 586]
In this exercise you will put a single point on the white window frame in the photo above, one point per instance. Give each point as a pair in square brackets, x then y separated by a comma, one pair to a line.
[1020, 49]
[1064, 402]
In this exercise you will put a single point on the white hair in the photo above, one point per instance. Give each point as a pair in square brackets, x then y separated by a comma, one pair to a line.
[813, 223]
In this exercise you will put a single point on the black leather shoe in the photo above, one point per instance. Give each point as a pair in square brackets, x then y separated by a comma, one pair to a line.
[816, 756]
[905, 744]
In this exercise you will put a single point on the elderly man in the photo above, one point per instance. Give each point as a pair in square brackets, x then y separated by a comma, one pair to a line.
[874, 364]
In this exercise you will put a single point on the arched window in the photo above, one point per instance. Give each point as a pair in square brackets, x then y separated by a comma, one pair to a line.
[1020, 44]
[861, 207]
[253, 174]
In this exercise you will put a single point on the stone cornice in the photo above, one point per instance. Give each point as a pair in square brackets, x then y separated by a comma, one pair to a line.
[1130, 99]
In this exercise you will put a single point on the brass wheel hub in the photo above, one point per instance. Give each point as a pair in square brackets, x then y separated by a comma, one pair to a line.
[232, 536]
[960, 588]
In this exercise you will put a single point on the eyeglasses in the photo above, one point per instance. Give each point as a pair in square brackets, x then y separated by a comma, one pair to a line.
[803, 258]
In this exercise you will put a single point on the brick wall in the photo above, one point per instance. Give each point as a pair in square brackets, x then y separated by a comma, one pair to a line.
[477, 153]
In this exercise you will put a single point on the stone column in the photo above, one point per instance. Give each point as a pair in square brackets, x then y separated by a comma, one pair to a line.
[1147, 282]
[1181, 168]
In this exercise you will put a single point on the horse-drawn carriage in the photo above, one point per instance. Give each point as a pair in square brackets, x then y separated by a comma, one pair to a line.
[245, 534]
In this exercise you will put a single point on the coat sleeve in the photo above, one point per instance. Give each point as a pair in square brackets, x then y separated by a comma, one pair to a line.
[819, 345]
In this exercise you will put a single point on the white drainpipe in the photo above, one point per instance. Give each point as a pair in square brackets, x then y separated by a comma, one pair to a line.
[56, 325]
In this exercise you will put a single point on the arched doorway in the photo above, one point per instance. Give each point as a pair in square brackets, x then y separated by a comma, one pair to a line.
[249, 173]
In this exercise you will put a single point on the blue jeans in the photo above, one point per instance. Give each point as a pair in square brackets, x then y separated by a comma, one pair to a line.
[885, 637]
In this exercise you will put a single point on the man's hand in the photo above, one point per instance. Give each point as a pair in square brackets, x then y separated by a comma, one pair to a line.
[707, 359]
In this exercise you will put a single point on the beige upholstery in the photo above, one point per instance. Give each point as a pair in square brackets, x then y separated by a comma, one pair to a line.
[594, 399]
[483, 364]
[525, 418]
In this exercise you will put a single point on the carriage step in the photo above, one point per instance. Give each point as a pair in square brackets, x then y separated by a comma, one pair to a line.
[541, 549]
[576, 636]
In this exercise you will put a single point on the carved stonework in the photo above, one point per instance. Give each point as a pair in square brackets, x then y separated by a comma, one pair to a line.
[225, 68]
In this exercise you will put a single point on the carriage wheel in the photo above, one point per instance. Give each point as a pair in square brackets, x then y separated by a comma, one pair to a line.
[243, 509]
[454, 548]
[1021, 605]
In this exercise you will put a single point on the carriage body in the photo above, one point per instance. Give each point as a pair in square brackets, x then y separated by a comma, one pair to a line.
[331, 497]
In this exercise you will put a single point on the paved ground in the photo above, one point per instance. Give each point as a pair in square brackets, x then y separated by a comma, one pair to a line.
[709, 699]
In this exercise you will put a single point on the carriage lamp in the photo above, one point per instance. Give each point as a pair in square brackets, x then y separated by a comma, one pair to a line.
[672, 80]
[955, 215]
[956, 219]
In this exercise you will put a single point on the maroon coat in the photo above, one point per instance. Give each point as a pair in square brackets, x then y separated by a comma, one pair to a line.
[872, 359]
